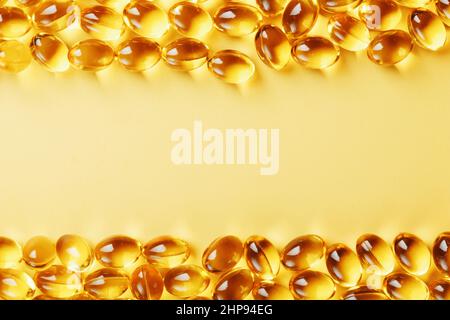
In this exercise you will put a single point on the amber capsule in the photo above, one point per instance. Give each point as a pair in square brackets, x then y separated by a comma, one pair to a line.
[106, 283]
[364, 293]
[55, 15]
[146, 283]
[14, 22]
[74, 252]
[380, 15]
[44, 297]
[440, 289]
[312, 285]
[237, 19]
[146, 19]
[412, 253]
[413, 3]
[138, 54]
[273, 46]
[302, 252]
[443, 10]
[271, 8]
[233, 285]
[315, 52]
[91, 55]
[338, 6]
[343, 265]
[402, 286]
[348, 32]
[50, 51]
[299, 17]
[427, 29]
[222, 254]
[270, 291]
[185, 54]
[374, 251]
[441, 252]
[14, 56]
[262, 257]
[26, 3]
[82, 296]
[231, 66]
[58, 282]
[190, 19]
[166, 251]
[16, 285]
[101, 22]
[10, 253]
[39, 252]
[186, 281]
[390, 47]
[118, 251]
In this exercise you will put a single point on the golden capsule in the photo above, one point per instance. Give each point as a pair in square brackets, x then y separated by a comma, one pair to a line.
[106, 283]
[14, 56]
[190, 19]
[44, 297]
[146, 283]
[364, 293]
[55, 15]
[146, 19]
[166, 251]
[441, 252]
[273, 46]
[58, 282]
[82, 296]
[118, 251]
[302, 252]
[39, 252]
[222, 254]
[427, 29]
[315, 52]
[413, 3]
[348, 32]
[412, 253]
[390, 47]
[50, 51]
[74, 252]
[237, 19]
[185, 54]
[262, 257]
[443, 10]
[343, 265]
[231, 66]
[26, 3]
[380, 15]
[299, 17]
[375, 252]
[402, 286]
[138, 54]
[312, 285]
[186, 281]
[271, 8]
[10, 253]
[234, 285]
[271, 291]
[101, 22]
[15, 285]
[338, 6]
[14, 22]
[91, 55]
[440, 289]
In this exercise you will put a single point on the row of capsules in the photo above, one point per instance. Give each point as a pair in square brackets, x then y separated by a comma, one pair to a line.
[64, 270]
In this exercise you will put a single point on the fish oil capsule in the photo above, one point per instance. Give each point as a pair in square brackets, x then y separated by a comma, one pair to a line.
[185, 54]
[82, 296]
[271, 8]
[26, 3]
[299, 17]
[441, 252]
[50, 51]
[348, 32]
[146, 19]
[273, 46]
[237, 19]
[315, 52]
[55, 15]
[262, 257]
[413, 3]
[233, 285]
[190, 19]
[58, 282]
[380, 15]
[338, 6]
[222, 254]
[374, 251]
[440, 289]
[106, 283]
[186, 281]
[39, 252]
[364, 293]
[101, 22]
[427, 29]
[146, 283]
[14, 22]
[138, 54]
[343, 265]
[231, 66]
[10, 253]
[16, 285]
[412, 253]
[270, 291]
[443, 10]
[402, 286]
[14, 56]
[91, 55]
[74, 252]
[312, 285]
[118, 251]
[390, 47]
[166, 251]
[302, 252]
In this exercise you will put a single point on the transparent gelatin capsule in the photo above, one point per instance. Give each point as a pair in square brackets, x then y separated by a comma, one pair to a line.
[312, 285]
[237, 19]
[299, 17]
[185, 54]
[39, 252]
[443, 10]
[14, 56]
[146, 283]
[380, 15]
[74, 252]
[10, 252]
[16, 285]
[101, 22]
[374, 252]
[315, 52]
[186, 281]
[441, 252]
[412, 254]
[234, 285]
[343, 265]
[231, 66]
[58, 282]
[303, 252]
[402, 286]
[271, 291]
[440, 289]
[106, 283]
[25, 3]
[138, 54]
[390, 47]
[364, 293]
[166, 251]
[14, 23]
[55, 15]
[222, 254]
[413, 3]
[262, 257]
[146, 19]
[50, 51]
[117, 251]
[427, 29]
[271, 8]
[190, 19]
[349, 33]
[91, 55]
[273, 46]
[338, 6]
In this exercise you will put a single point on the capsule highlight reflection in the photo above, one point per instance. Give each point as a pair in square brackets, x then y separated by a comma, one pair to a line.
[101, 22]
[222, 254]
[58, 282]
[312, 285]
[402, 286]
[118, 251]
[186, 281]
[412, 253]
[91, 55]
[299, 17]
[166, 251]
[375, 252]
[262, 257]
[55, 15]
[427, 29]
[272, 46]
[185, 54]
[231, 66]
[315, 52]
[302, 252]
[237, 19]
[343, 265]
[138, 54]
[233, 285]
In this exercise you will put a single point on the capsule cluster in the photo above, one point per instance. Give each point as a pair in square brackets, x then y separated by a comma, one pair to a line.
[120, 267]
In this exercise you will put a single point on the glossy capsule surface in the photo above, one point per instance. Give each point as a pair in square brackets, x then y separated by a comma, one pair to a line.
[10, 253]
[26, 3]
[231, 66]
[39, 252]
[234, 285]
[14, 56]
[146, 19]
[118, 251]
[222, 254]
[271, 291]
[315, 52]
[299, 17]
[273, 46]
[312, 285]
[50, 51]
[402, 286]
[443, 10]
[302, 252]
[16, 285]
[55, 15]
[186, 281]
[364, 293]
[373, 251]
[427, 29]
[138, 54]
[237, 19]
[441, 252]
[380, 15]
[412, 253]
[166, 251]
[390, 47]
[343, 265]
[146, 283]
[14, 22]
[190, 19]
[271, 8]
[106, 283]
[101, 22]
[348, 32]
[413, 3]
[440, 289]
[74, 252]
[262, 257]
[58, 282]
[185, 54]
[91, 55]
[338, 6]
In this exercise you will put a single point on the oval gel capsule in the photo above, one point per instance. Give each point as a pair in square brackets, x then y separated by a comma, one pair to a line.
[14, 22]
[186, 281]
[299, 17]
[185, 54]
[271, 291]
[58, 282]
[273, 46]
[427, 29]
[50, 51]
[441, 252]
[443, 10]
[237, 19]
[106, 283]
[138, 54]
[118, 251]
[231, 66]
[338, 6]
[14, 56]
[380, 15]
[166, 251]
[302, 252]
[16, 285]
[91, 55]
[312, 285]
[375, 252]
[343, 265]
[10, 253]
[39, 252]
[402, 286]
[146, 19]
[222, 254]
[271, 8]
[412, 253]
[364, 293]
[74, 252]
[234, 285]
[348, 32]
[390, 47]
[190, 19]
[440, 289]
[146, 283]
[315, 52]
[55, 15]
[262, 257]
[101, 22]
